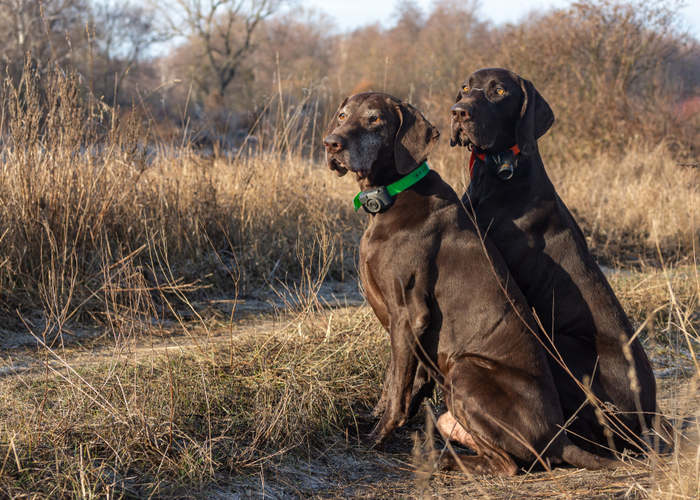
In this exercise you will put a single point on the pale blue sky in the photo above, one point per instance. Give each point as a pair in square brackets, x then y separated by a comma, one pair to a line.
[351, 14]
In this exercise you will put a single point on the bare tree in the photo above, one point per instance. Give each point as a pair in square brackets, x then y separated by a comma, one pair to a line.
[123, 33]
[223, 30]
[25, 24]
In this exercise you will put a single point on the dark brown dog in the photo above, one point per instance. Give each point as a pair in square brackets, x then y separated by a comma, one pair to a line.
[546, 253]
[443, 296]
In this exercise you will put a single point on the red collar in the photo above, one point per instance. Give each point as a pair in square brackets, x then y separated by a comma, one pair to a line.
[515, 149]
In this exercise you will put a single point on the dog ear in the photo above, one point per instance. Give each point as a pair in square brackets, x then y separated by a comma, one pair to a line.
[334, 120]
[414, 140]
[536, 118]
[457, 99]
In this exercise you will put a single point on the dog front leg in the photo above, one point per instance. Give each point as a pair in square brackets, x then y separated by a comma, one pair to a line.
[381, 404]
[423, 386]
[398, 389]
[377, 300]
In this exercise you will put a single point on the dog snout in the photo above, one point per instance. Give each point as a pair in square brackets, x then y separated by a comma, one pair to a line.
[461, 112]
[334, 143]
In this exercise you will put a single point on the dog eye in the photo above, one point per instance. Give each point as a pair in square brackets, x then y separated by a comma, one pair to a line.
[500, 91]
[465, 88]
[341, 116]
[373, 119]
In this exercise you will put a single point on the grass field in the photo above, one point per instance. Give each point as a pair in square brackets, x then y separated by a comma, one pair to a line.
[271, 404]
[180, 325]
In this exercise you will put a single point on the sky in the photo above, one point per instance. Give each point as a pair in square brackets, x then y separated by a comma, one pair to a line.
[349, 15]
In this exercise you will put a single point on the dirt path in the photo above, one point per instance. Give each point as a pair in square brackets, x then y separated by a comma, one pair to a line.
[26, 351]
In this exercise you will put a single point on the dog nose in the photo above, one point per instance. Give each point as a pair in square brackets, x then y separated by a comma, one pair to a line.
[461, 112]
[334, 143]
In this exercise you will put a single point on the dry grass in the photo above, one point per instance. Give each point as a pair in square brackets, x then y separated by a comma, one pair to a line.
[634, 208]
[86, 203]
[279, 411]
[96, 229]
[144, 425]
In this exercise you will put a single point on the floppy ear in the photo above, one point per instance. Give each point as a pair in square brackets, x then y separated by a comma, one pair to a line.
[536, 117]
[414, 140]
[331, 124]
[457, 99]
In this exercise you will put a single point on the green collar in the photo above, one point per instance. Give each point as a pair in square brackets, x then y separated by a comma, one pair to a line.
[401, 184]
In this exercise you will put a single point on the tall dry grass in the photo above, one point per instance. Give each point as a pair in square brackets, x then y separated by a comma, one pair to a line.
[99, 226]
[634, 208]
[85, 195]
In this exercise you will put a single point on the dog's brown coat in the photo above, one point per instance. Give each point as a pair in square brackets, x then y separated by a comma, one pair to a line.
[546, 252]
[443, 295]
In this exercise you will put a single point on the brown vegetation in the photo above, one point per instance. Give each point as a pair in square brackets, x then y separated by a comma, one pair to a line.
[211, 407]
[113, 224]
[616, 73]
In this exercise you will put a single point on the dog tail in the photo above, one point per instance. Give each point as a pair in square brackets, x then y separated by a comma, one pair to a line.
[577, 457]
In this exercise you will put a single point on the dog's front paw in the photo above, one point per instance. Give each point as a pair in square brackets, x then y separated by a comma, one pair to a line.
[378, 410]
[371, 414]
[372, 442]
[376, 439]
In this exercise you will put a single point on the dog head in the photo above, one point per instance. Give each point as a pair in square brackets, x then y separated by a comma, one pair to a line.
[495, 109]
[373, 131]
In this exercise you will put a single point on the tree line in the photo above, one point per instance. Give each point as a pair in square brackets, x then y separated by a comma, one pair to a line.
[614, 71]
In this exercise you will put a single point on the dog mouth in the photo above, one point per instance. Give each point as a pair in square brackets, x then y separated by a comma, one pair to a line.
[335, 164]
[461, 137]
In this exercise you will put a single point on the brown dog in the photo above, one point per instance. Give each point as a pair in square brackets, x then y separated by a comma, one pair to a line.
[443, 295]
[500, 116]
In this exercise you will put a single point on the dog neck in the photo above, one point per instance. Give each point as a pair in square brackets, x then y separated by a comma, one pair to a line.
[504, 162]
[382, 173]
[379, 199]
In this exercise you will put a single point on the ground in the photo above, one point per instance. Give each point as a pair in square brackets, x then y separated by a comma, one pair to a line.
[345, 468]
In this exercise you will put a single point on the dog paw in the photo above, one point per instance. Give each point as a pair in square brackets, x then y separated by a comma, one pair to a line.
[371, 443]
[377, 412]
[373, 414]
[375, 440]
